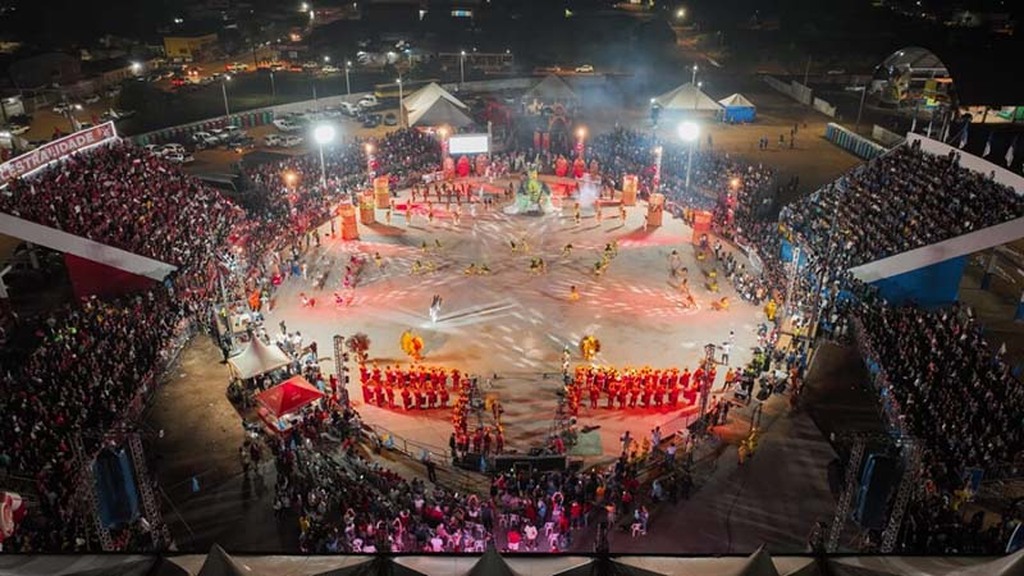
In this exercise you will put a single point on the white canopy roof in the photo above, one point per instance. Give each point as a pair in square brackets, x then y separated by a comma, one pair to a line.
[258, 358]
[426, 97]
[440, 113]
[551, 88]
[687, 97]
[736, 99]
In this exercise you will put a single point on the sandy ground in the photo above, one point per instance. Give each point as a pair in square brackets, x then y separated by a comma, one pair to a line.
[515, 324]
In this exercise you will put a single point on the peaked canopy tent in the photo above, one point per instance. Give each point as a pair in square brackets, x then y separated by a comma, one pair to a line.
[440, 113]
[218, 563]
[687, 97]
[289, 396]
[491, 564]
[551, 89]
[737, 108]
[426, 97]
[258, 358]
[608, 567]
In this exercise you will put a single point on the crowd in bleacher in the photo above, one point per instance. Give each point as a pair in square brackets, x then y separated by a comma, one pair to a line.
[952, 390]
[86, 362]
[902, 200]
[128, 198]
[75, 379]
[945, 386]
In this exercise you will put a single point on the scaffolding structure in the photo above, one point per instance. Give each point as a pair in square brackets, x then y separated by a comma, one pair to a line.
[910, 452]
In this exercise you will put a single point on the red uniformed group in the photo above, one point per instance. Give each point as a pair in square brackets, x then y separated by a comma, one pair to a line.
[418, 387]
[635, 387]
[484, 439]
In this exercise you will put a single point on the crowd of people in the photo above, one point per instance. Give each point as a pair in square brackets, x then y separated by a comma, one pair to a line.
[74, 381]
[944, 385]
[899, 201]
[949, 389]
[86, 364]
[345, 504]
[127, 198]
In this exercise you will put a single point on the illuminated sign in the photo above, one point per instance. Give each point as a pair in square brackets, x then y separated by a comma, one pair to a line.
[31, 161]
[469, 144]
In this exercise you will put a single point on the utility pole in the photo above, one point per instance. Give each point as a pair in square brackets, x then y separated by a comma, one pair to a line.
[807, 71]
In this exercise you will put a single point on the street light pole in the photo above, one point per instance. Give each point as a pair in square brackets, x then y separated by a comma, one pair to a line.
[462, 68]
[323, 134]
[693, 77]
[689, 165]
[273, 89]
[369, 162]
[689, 132]
[401, 104]
[224, 91]
[348, 86]
[860, 109]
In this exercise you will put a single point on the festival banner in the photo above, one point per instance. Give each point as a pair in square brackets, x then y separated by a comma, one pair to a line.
[53, 151]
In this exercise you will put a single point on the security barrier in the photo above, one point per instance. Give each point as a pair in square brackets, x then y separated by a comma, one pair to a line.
[853, 143]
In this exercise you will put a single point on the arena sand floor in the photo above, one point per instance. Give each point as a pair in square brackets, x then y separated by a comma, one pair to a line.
[513, 323]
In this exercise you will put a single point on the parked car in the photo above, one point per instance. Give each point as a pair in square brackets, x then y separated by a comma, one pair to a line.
[63, 107]
[328, 69]
[220, 134]
[285, 125]
[367, 102]
[585, 69]
[237, 67]
[233, 131]
[390, 119]
[349, 109]
[272, 140]
[179, 158]
[371, 121]
[91, 99]
[205, 139]
[173, 148]
[291, 140]
[154, 149]
[241, 143]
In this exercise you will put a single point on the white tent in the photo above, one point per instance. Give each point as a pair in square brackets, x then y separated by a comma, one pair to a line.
[551, 89]
[426, 97]
[258, 358]
[687, 97]
[736, 99]
[440, 113]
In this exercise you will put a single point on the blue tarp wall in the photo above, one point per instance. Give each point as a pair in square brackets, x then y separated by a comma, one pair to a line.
[931, 286]
[115, 486]
[739, 113]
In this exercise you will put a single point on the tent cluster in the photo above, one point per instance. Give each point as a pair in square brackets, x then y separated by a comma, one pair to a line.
[690, 98]
[432, 105]
[760, 563]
